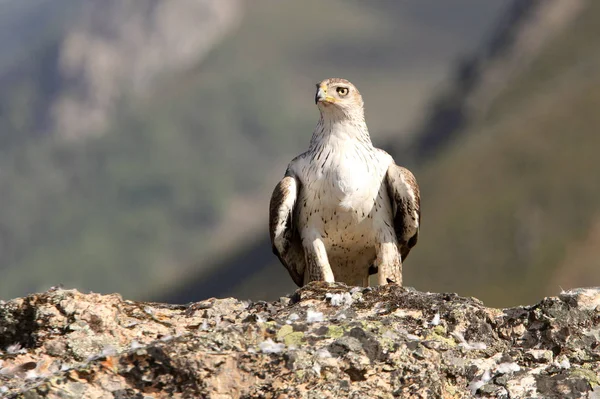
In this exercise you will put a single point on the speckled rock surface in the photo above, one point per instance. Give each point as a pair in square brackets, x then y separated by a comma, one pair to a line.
[322, 342]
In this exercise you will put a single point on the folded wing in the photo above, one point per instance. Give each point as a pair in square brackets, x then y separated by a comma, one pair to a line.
[283, 229]
[405, 198]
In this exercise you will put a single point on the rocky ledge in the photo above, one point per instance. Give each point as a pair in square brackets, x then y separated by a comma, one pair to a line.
[321, 342]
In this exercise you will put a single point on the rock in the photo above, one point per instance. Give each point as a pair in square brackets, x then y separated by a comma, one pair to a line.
[65, 344]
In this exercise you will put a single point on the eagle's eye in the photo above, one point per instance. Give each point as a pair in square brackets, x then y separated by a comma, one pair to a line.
[342, 91]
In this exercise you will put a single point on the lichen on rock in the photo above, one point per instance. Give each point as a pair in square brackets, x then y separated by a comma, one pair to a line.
[382, 343]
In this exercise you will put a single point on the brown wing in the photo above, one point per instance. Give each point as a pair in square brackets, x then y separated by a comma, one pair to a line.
[405, 198]
[283, 229]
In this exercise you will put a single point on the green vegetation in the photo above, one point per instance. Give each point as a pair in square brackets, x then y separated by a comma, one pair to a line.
[133, 201]
[504, 202]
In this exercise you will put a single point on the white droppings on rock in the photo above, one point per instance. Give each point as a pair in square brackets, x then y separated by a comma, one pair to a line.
[65, 367]
[507, 367]
[204, 326]
[562, 362]
[565, 364]
[458, 336]
[478, 383]
[475, 385]
[354, 290]
[436, 320]
[468, 345]
[3, 389]
[323, 353]
[32, 375]
[339, 299]
[292, 318]
[135, 345]
[93, 356]
[486, 376]
[317, 368]
[269, 346]
[109, 350]
[313, 317]
[413, 337]
[246, 304]
[13, 349]
[540, 355]
[473, 345]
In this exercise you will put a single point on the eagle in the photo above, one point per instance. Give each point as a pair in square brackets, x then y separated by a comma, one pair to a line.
[344, 210]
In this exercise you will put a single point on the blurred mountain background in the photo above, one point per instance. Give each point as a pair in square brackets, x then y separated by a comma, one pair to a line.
[140, 141]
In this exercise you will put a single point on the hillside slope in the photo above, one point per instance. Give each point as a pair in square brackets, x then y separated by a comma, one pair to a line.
[506, 201]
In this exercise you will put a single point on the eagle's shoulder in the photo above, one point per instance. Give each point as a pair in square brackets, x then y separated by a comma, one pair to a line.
[409, 179]
[297, 165]
[384, 159]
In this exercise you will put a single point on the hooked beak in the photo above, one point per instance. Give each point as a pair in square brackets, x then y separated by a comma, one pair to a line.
[322, 96]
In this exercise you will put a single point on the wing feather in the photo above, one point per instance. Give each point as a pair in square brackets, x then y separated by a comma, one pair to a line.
[285, 238]
[405, 198]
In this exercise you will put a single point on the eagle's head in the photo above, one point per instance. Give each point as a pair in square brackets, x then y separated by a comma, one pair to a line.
[338, 98]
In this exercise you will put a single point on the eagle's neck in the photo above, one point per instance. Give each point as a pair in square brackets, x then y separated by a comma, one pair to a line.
[335, 131]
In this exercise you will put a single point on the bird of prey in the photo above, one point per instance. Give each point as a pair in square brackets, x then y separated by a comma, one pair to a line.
[344, 209]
